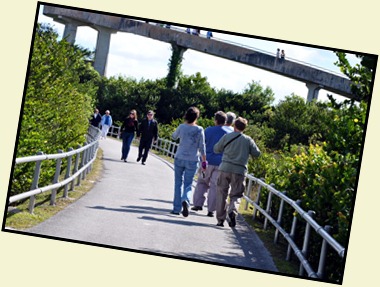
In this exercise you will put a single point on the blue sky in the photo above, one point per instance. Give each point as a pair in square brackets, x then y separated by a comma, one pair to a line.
[140, 57]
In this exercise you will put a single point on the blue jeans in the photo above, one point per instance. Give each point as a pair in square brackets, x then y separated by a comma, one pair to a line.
[184, 171]
[127, 140]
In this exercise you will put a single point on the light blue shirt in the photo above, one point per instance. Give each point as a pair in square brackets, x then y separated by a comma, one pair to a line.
[192, 142]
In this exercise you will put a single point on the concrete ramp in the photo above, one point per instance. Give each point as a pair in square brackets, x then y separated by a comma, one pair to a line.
[129, 208]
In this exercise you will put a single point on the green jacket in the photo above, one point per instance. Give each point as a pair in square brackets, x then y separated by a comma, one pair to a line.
[236, 154]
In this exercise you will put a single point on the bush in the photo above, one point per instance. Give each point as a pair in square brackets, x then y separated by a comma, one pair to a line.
[57, 105]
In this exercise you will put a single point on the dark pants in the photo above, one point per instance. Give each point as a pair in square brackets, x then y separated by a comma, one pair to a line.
[127, 140]
[144, 147]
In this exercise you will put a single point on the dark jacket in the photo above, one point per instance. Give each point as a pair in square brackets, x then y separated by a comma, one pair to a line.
[95, 121]
[129, 125]
[148, 132]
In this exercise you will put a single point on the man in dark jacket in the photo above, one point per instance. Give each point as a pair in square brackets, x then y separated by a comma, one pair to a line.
[96, 118]
[148, 133]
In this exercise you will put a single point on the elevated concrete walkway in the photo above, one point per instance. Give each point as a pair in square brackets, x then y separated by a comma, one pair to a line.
[315, 79]
[129, 208]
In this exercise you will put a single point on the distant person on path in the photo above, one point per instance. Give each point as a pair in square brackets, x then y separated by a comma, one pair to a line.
[192, 143]
[229, 122]
[147, 133]
[207, 180]
[96, 118]
[209, 34]
[236, 148]
[127, 130]
[106, 123]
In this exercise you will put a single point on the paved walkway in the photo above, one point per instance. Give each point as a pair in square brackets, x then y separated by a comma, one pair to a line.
[129, 208]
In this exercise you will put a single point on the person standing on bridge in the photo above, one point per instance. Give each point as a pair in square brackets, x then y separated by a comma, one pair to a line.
[207, 180]
[192, 142]
[236, 148]
[148, 131]
[106, 123]
[128, 129]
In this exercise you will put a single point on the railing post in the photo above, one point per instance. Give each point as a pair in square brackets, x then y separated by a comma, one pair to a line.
[67, 175]
[279, 219]
[85, 160]
[75, 166]
[249, 189]
[56, 178]
[292, 233]
[269, 204]
[306, 239]
[257, 201]
[322, 258]
[172, 154]
[36, 177]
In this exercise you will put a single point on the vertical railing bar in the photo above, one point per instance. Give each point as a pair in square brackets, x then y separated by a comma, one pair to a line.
[279, 219]
[249, 189]
[269, 204]
[75, 167]
[56, 178]
[257, 202]
[322, 259]
[306, 240]
[67, 175]
[36, 178]
[292, 233]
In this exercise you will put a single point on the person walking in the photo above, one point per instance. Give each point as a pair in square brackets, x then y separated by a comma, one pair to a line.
[229, 122]
[96, 118]
[147, 133]
[106, 123]
[127, 131]
[206, 183]
[236, 148]
[192, 143]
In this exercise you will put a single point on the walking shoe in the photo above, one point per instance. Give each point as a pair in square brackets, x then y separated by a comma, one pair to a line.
[210, 214]
[185, 211]
[138, 159]
[220, 223]
[143, 163]
[196, 208]
[232, 216]
[172, 212]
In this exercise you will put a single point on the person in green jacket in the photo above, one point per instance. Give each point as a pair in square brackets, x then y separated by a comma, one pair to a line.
[236, 148]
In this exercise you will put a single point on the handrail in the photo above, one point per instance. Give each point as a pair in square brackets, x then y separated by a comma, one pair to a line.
[169, 147]
[87, 155]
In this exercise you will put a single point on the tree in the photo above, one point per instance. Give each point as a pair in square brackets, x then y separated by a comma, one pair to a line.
[361, 75]
[57, 105]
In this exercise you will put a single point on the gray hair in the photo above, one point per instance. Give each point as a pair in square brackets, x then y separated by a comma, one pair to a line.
[230, 118]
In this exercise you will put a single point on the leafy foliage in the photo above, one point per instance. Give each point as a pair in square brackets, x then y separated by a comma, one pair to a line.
[57, 102]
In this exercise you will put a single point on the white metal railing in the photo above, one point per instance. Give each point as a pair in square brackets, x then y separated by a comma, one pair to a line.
[168, 148]
[84, 157]
[301, 253]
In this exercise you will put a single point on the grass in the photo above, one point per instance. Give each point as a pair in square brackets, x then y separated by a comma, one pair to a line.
[19, 217]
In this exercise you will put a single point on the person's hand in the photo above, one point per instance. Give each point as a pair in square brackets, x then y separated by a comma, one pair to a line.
[204, 165]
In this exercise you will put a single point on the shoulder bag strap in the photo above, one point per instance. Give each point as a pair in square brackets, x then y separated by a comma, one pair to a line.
[231, 140]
